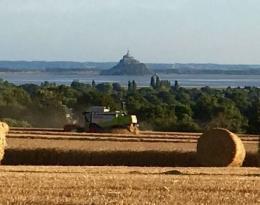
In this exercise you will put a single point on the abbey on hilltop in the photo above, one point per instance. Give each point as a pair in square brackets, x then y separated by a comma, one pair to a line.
[128, 65]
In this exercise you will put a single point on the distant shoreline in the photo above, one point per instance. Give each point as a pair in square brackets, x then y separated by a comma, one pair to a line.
[158, 71]
[98, 67]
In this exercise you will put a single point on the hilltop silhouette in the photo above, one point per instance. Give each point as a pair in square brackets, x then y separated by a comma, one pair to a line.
[128, 65]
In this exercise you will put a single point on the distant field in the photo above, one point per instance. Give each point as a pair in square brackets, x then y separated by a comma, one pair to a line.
[124, 185]
[31, 138]
[55, 147]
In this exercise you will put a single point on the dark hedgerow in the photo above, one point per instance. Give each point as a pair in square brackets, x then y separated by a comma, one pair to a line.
[104, 158]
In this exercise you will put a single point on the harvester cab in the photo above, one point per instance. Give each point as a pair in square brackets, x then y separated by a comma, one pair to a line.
[101, 119]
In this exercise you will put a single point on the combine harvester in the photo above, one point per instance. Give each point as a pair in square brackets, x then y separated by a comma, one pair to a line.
[101, 120]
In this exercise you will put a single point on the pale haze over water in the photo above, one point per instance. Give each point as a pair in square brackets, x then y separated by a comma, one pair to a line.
[187, 80]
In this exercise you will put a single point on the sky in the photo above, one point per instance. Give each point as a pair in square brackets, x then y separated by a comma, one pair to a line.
[155, 31]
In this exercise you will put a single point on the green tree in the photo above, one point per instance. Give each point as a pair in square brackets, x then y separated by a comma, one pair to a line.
[152, 82]
[93, 84]
[134, 86]
[117, 87]
[254, 117]
[104, 88]
[129, 86]
[157, 82]
[176, 85]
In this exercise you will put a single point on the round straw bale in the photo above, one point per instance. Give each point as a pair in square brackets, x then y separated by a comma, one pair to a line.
[2, 145]
[4, 127]
[220, 148]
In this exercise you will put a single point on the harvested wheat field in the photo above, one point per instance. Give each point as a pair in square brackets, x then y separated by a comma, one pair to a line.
[32, 138]
[35, 146]
[123, 185]
[157, 180]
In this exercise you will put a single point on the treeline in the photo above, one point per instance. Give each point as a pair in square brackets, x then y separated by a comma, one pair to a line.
[161, 106]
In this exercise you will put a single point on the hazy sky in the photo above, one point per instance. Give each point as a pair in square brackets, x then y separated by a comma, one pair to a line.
[217, 31]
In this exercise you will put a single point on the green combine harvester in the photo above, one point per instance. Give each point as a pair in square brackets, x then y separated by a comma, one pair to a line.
[101, 119]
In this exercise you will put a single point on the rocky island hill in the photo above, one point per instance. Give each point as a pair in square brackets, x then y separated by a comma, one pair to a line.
[128, 65]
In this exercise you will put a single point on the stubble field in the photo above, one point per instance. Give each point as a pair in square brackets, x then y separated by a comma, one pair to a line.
[155, 184]
[124, 185]
[55, 147]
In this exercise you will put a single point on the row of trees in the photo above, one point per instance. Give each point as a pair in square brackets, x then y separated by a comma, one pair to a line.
[164, 107]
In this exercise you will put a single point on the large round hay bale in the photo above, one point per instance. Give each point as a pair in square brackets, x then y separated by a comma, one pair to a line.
[4, 127]
[2, 145]
[220, 148]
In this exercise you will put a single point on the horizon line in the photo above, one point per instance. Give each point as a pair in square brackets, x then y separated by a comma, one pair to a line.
[93, 61]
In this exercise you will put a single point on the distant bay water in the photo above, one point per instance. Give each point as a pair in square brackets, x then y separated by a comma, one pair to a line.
[185, 80]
